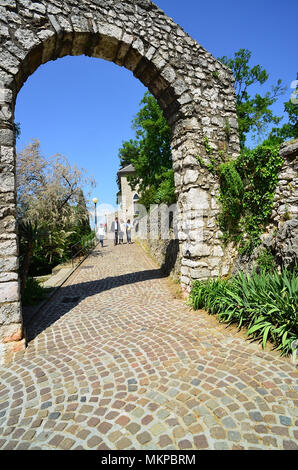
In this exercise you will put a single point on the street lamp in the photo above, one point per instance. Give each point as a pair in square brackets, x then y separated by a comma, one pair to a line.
[95, 200]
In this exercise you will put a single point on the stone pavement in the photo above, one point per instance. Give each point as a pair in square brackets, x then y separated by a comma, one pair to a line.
[116, 361]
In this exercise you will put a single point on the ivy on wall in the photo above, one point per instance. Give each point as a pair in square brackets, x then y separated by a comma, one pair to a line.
[246, 192]
[258, 170]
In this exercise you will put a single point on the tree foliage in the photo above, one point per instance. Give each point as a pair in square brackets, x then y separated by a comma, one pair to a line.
[288, 130]
[254, 112]
[150, 154]
[51, 208]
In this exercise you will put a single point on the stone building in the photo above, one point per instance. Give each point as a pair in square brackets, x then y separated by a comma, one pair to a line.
[128, 198]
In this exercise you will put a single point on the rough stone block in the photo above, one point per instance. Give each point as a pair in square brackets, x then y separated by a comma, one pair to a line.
[200, 273]
[9, 292]
[196, 250]
[110, 30]
[190, 176]
[8, 247]
[11, 333]
[8, 3]
[185, 280]
[9, 62]
[8, 224]
[169, 74]
[196, 199]
[48, 39]
[132, 59]
[7, 182]
[179, 87]
[10, 313]
[106, 48]
[6, 138]
[5, 277]
[9, 264]
[27, 39]
[218, 251]
[121, 53]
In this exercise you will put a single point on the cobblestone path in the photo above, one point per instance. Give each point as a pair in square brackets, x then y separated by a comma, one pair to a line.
[115, 361]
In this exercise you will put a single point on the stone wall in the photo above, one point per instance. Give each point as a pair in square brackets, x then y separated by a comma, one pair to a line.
[161, 243]
[286, 195]
[281, 235]
[166, 254]
[194, 90]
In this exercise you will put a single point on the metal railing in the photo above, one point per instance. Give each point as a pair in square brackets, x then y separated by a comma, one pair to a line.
[83, 250]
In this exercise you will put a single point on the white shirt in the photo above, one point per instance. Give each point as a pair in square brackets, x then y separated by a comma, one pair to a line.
[100, 231]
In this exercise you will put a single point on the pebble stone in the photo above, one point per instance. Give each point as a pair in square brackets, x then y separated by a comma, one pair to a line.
[89, 353]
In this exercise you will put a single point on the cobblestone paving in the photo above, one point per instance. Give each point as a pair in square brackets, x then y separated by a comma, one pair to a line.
[115, 361]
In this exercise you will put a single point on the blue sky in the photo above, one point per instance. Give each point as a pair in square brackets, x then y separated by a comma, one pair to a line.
[83, 107]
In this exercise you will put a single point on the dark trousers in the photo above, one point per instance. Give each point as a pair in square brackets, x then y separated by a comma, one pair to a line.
[116, 237]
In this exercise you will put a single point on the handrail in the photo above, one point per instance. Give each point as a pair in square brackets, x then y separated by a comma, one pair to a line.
[85, 249]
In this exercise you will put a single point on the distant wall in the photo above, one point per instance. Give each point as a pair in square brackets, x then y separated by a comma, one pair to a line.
[165, 251]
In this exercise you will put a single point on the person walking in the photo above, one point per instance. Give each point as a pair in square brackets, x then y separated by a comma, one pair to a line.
[101, 234]
[116, 230]
[128, 231]
[121, 231]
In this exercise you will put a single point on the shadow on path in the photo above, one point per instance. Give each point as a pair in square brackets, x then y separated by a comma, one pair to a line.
[69, 297]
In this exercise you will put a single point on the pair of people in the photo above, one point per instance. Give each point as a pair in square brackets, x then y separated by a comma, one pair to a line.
[119, 229]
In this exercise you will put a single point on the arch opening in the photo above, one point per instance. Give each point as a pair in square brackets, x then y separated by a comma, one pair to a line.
[194, 91]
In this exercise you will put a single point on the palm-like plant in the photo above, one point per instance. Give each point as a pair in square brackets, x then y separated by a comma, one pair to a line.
[266, 303]
[30, 234]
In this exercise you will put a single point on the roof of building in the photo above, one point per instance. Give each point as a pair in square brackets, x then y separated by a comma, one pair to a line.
[127, 169]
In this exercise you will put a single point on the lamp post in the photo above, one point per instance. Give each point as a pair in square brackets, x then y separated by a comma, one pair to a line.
[95, 200]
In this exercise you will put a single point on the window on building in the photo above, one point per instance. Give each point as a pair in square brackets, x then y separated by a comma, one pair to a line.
[135, 204]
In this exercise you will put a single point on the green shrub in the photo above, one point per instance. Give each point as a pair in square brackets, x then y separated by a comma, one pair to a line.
[266, 261]
[33, 292]
[258, 169]
[266, 303]
[246, 191]
[231, 198]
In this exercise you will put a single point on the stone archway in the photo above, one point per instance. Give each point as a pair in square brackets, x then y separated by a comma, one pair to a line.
[194, 90]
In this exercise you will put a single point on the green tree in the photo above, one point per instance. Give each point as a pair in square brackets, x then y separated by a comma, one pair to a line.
[30, 236]
[51, 209]
[290, 129]
[127, 154]
[150, 154]
[254, 113]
